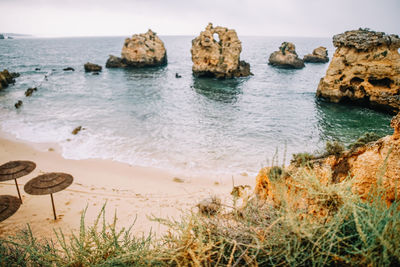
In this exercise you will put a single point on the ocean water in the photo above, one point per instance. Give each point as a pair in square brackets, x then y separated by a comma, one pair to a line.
[148, 117]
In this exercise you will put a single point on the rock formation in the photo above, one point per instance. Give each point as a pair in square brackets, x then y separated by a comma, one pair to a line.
[115, 62]
[142, 50]
[6, 78]
[365, 69]
[286, 57]
[30, 91]
[319, 55]
[89, 67]
[218, 58]
[18, 104]
[366, 169]
[2, 36]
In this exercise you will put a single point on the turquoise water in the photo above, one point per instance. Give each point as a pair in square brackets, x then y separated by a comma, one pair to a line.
[148, 117]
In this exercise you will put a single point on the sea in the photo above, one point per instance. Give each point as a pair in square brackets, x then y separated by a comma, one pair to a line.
[148, 117]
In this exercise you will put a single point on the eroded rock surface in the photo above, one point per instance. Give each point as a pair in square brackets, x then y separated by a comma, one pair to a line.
[216, 53]
[6, 78]
[365, 167]
[319, 55]
[142, 50]
[365, 69]
[286, 57]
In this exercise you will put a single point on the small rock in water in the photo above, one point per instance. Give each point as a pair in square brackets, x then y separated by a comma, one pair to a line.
[30, 91]
[92, 67]
[286, 57]
[77, 130]
[69, 68]
[95, 73]
[15, 74]
[115, 62]
[37, 69]
[177, 75]
[18, 104]
[319, 55]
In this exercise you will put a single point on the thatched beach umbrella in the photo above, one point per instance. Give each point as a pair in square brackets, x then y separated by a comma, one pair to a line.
[8, 206]
[49, 183]
[16, 169]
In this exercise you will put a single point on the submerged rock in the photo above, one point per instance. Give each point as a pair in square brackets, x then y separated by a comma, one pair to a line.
[319, 55]
[89, 67]
[142, 50]
[18, 104]
[69, 69]
[15, 74]
[6, 79]
[286, 57]
[365, 69]
[77, 130]
[218, 58]
[30, 91]
[367, 169]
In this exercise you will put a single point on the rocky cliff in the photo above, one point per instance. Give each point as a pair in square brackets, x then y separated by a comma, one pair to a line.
[369, 170]
[286, 57]
[216, 53]
[319, 55]
[142, 50]
[365, 69]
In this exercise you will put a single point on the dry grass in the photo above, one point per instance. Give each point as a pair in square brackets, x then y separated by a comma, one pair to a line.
[352, 233]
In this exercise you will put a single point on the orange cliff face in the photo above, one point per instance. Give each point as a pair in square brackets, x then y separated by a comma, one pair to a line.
[365, 69]
[376, 163]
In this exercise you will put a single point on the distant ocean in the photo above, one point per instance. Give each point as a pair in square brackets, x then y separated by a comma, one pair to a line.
[148, 117]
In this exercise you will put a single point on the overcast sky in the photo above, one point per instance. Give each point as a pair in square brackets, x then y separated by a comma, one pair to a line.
[187, 17]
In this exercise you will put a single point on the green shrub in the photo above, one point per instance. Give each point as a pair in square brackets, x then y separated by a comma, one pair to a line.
[301, 159]
[334, 148]
[364, 139]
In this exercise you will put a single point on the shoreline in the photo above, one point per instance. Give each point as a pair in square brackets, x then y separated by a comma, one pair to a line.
[133, 192]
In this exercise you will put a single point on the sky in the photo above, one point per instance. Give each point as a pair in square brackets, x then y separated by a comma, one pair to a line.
[313, 18]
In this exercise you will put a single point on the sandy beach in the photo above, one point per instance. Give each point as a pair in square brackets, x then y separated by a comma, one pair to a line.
[133, 192]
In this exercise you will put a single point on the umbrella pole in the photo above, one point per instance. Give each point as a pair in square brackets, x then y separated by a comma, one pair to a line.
[19, 194]
[54, 209]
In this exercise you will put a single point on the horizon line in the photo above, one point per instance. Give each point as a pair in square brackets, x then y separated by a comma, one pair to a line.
[21, 35]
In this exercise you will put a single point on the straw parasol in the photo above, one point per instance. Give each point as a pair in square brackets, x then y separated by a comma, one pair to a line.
[16, 169]
[8, 206]
[49, 183]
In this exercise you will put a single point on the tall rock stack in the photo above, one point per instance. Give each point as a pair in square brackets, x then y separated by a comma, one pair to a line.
[216, 53]
[142, 50]
[365, 69]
